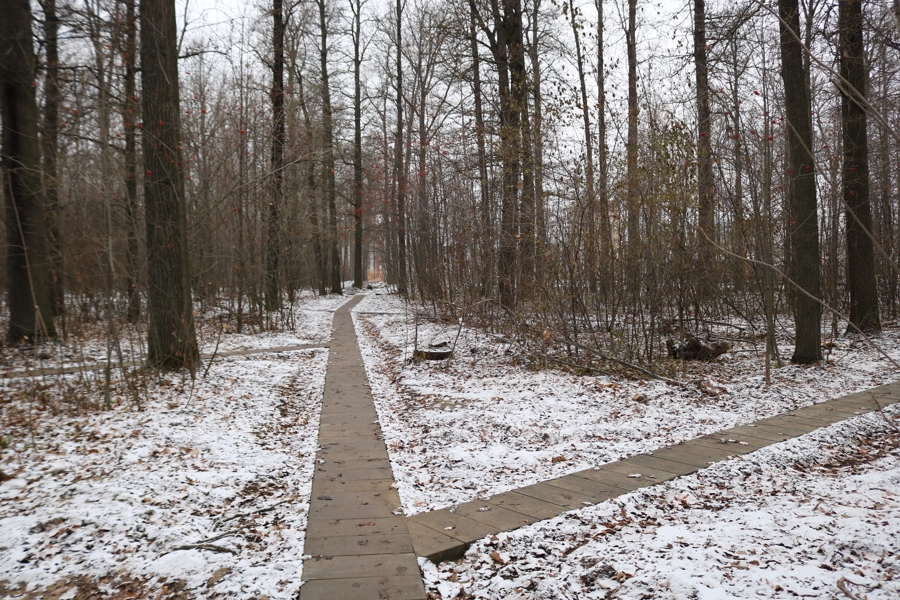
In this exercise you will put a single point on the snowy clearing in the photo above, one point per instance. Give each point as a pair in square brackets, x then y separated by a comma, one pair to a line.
[100, 502]
[482, 424]
[816, 517]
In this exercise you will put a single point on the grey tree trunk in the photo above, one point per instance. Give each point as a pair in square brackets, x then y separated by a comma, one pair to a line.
[328, 154]
[273, 244]
[172, 342]
[803, 221]
[860, 252]
[28, 264]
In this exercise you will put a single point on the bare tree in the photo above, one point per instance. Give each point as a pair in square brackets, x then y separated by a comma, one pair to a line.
[804, 224]
[860, 253]
[172, 342]
[28, 266]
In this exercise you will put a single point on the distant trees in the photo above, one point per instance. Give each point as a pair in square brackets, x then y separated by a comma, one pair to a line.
[509, 158]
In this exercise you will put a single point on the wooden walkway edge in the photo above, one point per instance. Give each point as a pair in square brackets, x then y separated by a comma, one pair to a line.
[446, 534]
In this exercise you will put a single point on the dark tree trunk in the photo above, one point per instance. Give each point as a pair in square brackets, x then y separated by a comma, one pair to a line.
[705, 186]
[328, 155]
[50, 155]
[499, 40]
[631, 151]
[273, 246]
[860, 253]
[538, 139]
[803, 223]
[130, 118]
[519, 90]
[172, 342]
[28, 266]
[319, 271]
[399, 172]
[358, 273]
[603, 168]
[485, 235]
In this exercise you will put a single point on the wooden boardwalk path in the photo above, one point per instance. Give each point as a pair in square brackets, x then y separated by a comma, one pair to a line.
[357, 537]
[445, 534]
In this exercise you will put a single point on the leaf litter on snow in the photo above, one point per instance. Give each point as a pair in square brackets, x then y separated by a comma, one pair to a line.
[482, 423]
[204, 491]
[814, 517]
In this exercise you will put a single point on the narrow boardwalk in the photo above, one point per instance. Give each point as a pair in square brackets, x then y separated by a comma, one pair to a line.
[445, 534]
[357, 536]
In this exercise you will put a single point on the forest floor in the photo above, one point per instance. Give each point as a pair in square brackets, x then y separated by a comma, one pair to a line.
[201, 491]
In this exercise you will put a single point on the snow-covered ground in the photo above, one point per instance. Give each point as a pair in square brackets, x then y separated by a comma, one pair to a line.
[814, 517]
[483, 424]
[307, 321]
[203, 492]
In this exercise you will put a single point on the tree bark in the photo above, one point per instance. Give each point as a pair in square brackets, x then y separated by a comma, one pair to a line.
[172, 342]
[705, 185]
[130, 118]
[28, 265]
[860, 253]
[803, 223]
[399, 172]
[606, 244]
[631, 151]
[358, 274]
[328, 154]
[273, 245]
[50, 156]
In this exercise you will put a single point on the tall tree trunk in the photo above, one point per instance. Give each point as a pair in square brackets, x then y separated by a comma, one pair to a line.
[499, 40]
[705, 186]
[28, 265]
[803, 224]
[538, 137]
[273, 245]
[328, 157]
[632, 201]
[319, 272]
[399, 172]
[519, 90]
[130, 118]
[860, 253]
[50, 155]
[603, 163]
[356, 7]
[172, 342]
[591, 233]
[485, 234]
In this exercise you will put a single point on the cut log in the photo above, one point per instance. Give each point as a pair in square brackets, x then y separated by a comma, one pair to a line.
[693, 349]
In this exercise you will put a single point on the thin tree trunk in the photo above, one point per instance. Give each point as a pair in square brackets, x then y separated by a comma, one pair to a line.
[50, 156]
[803, 224]
[631, 175]
[356, 7]
[602, 199]
[130, 118]
[485, 234]
[273, 245]
[328, 155]
[172, 342]
[860, 253]
[28, 266]
[591, 233]
[705, 186]
[399, 173]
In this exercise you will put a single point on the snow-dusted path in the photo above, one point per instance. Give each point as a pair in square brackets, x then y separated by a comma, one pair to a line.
[357, 544]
